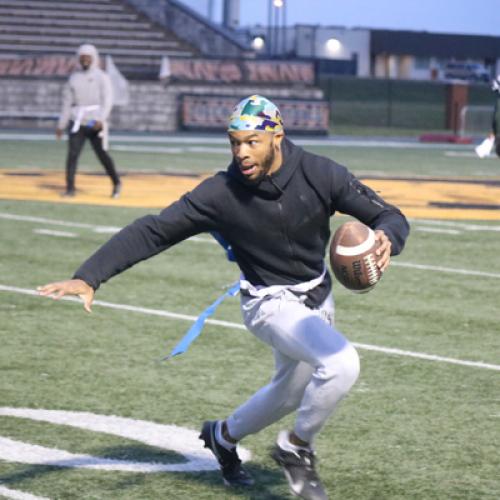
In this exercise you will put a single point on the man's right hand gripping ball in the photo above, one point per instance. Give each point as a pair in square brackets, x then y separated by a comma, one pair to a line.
[69, 287]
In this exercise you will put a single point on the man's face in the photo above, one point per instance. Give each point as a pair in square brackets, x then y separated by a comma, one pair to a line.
[85, 61]
[256, 153]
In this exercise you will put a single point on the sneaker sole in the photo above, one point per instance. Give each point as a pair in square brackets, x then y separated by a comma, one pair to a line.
[295, 488]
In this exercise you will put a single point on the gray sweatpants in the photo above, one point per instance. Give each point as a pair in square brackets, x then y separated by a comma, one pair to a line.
[315, 365]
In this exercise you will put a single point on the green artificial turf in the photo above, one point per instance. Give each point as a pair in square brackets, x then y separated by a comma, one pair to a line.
[411, 428]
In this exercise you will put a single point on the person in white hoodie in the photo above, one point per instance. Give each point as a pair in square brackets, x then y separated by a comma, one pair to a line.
[87, 103]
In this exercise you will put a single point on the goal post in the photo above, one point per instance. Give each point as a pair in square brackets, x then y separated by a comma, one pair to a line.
[475, 121]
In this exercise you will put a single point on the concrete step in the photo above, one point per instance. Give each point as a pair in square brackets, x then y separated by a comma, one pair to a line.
[82, 32]
[99, 42]
[36, 49]
[37, 21]
[63, 14]
[54, 5]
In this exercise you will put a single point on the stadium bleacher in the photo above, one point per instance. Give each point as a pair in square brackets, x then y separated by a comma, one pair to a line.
[41, 27]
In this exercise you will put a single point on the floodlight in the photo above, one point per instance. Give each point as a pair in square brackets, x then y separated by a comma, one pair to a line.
[258, 43]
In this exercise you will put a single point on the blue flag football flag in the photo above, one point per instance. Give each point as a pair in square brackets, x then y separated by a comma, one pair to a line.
[198, 325]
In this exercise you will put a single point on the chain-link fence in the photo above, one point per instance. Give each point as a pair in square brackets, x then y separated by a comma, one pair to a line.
[374, 102]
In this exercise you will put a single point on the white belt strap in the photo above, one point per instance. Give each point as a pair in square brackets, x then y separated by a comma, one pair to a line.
[260, 291]
[80, 113]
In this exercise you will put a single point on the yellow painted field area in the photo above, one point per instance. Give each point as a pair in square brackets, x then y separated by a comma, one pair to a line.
[139, 190]
[429, 199]
[419, 198]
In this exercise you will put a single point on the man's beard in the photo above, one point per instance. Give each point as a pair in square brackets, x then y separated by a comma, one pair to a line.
[268, 161]
[266, 165]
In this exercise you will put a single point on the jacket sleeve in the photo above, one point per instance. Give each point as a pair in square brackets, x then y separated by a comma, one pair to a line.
[67, 101]
[150, 235]
[352, 197]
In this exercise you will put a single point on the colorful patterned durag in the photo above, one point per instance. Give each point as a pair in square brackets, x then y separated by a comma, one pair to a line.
[256, 113]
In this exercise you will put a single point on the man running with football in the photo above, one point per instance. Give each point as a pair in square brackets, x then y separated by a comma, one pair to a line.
[272, 206]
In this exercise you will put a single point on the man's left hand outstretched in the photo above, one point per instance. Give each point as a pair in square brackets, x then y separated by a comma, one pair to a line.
[78, 287]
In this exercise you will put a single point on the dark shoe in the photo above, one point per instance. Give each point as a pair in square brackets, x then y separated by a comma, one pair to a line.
[300, 471]
[69, 193]
[233, 473]
[117, 189]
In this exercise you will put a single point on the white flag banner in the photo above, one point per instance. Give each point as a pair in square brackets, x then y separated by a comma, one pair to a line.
[165, 71]
[118, 82]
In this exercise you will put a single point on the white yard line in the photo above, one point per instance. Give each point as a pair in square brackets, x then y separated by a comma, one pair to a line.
[425, 267]
[429, 357]
[438, 230]
[201, 239]
[228, 324]
[18, 495]
[51, 232]
[56, 222]
[462, 226]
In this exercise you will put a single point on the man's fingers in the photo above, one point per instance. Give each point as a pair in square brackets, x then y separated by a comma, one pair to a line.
[383, 263]
[48, 289]
[69, 287]
[87, 302]
[383, 251]
[383, 243]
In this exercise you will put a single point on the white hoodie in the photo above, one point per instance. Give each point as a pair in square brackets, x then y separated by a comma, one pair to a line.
[87, 96]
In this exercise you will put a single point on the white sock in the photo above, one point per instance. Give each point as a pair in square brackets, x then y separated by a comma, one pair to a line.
[284, 443]
[220, 438]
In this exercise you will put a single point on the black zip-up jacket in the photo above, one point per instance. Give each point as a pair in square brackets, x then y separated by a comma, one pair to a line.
[278, 228]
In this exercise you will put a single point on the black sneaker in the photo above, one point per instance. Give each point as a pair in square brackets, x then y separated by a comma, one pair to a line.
[300, 472]
[233, 473]
[117, 189]
[69, 193]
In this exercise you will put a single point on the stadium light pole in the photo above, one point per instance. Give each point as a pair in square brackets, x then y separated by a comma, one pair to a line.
[270, 27]
[285, 31]
[278, 10]
[210, 9]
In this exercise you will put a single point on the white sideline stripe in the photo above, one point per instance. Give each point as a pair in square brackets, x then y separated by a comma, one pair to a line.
[468, 154]
[445, 269]
[97, 229]
[51, 232]
[170, 150]
[44, 220]
[438, 230]
[228, 324]
[300, 141]
[18, 495]
[125, 307]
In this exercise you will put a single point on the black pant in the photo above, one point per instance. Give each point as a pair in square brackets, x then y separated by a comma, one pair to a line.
[75, 145]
